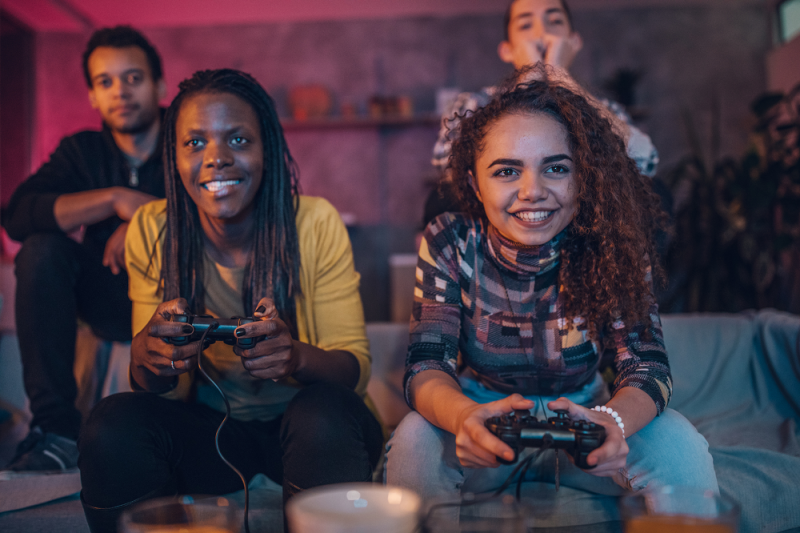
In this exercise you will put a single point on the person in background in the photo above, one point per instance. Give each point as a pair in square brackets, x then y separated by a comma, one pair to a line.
[234, 238]
[535, 31]
[95, 180]
[547, 268]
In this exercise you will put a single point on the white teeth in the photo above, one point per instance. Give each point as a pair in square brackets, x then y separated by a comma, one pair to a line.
[533, 216]
[215, 186]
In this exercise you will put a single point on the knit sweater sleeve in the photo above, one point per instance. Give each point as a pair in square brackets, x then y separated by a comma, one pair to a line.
[144, 243]
[436, 311]
[640, 358]
[332, 288]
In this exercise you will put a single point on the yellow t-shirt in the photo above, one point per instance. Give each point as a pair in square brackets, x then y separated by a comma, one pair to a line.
[329, 312]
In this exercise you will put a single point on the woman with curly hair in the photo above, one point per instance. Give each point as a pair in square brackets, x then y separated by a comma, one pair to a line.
[546, 272]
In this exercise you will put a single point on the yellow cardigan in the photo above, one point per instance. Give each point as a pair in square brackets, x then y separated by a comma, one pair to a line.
[329, 312]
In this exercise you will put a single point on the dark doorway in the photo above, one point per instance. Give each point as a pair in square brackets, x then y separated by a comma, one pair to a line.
[16, 104]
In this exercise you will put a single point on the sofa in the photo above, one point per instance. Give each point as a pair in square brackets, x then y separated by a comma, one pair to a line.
[736, 377]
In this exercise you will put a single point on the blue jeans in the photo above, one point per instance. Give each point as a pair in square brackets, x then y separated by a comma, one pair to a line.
[668, 451]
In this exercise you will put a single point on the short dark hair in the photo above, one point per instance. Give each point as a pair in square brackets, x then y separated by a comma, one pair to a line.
[507, 17]
[121, 37]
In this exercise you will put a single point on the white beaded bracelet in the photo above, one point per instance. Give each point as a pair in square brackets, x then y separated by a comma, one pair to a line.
[613, 414]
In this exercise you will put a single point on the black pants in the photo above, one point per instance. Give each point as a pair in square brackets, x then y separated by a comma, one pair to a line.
[135, 443]
[59, 280]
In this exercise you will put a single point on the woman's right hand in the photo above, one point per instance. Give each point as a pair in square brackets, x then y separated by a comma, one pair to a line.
[476, 446]
[561, 51]
[150, 354]
[126, 201]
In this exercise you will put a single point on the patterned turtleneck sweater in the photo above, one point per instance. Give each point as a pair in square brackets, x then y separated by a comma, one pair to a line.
[497, 303]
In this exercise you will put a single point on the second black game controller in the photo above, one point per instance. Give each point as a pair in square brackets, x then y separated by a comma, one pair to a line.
[224, 330]
[522, 430]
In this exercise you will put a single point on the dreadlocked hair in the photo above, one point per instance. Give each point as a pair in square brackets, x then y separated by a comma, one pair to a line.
[274, 264]
[609, 250]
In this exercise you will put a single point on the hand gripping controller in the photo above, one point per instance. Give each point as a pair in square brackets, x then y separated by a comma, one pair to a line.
[223, 332]
[521, 430]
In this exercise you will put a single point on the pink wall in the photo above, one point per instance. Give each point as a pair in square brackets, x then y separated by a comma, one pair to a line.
[377, 175]
[689, 57]
[62, 106]
[342, 165]
[72, 15]
[16, 90]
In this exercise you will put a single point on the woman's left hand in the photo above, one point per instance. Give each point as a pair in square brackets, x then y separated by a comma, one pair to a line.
[275, 356]
[612, 455]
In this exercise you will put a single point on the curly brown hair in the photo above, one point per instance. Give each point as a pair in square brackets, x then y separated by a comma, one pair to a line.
[610, 244]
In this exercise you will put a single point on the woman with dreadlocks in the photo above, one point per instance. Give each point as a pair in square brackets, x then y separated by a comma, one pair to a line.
[546, 270]
[234, 238]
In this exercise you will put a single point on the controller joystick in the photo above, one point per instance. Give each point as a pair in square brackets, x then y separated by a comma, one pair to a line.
[577, 438]
[224, 330]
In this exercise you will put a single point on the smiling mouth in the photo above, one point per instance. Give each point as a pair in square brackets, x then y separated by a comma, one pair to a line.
[219, 185]
[533, 216]
[126, 109]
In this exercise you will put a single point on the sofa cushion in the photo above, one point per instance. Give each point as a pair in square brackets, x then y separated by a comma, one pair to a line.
[737, 379]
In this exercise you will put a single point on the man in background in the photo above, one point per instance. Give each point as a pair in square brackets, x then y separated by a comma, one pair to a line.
[95, 180]
[534, 31]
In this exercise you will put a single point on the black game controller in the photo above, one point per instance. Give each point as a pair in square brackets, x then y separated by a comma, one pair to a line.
[223, 332]
[521, 430]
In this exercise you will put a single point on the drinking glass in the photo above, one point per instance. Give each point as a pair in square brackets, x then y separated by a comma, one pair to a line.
[354, 508]
[679, 510]
[503, 514]
[182, 514]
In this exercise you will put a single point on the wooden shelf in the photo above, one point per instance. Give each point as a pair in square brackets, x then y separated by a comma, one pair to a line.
[360, 122]
[638, 113]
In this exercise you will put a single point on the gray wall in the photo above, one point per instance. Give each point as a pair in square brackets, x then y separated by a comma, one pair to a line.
[689, 56]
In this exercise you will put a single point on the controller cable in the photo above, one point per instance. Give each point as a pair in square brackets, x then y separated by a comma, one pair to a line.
[521, 469]
[211, 327]
[544, 412]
